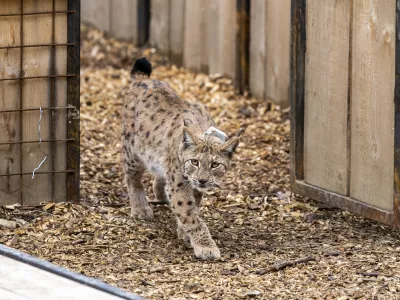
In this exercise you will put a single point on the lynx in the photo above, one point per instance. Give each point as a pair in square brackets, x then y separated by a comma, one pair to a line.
[178, 143]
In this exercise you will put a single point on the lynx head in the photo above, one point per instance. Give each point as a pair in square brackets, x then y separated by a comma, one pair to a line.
[206, 158]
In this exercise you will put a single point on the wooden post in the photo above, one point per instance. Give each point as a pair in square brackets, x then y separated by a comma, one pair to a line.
[297, 75]
[143, 22]
[73, 128]
[242, 44]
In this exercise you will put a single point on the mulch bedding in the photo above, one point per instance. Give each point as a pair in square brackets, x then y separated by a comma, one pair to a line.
[274, 244]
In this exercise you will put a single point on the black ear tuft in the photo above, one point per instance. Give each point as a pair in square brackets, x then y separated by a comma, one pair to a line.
[141, 66]
[230, 147]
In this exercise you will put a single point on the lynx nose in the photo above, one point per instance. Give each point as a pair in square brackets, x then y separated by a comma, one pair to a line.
[203, 181]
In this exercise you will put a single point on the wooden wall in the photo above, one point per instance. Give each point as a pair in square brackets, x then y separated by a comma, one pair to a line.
[118, 17]
[29, 95]
[201, 35]
[348, 101]
[270, 50]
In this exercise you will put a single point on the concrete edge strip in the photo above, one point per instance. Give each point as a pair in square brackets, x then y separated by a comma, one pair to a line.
[60, 271]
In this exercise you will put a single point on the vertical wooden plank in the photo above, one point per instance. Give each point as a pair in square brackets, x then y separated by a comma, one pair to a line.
[36, 93]
[396, 188]
[159, 25]
[9, 100]
[143, 21]
[213, 37]
[97, 13]
[177, 9]
[257, 48]
[242, 45]
[277, 50]
[326, 90]
[204, 33]
[73, 99]
[297, 85]
[60, 116]
[123, 22]
[195, 40]
[372, 118]
[222, 38]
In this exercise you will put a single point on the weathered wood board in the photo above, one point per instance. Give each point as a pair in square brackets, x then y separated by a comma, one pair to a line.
[20, 281]
[372, 109]
[277, 50]
[97, 13]
[9, 100]
[36, 93]
[177, 21]
[159, 25]
[201, 35]
[222, 38]
[123, 19]
[60, 116]
[196, 35]
[36, 61]
[326, 91]
[257, 48]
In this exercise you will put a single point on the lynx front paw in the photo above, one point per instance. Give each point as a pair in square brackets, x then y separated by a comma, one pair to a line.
[182, 235]
[207, 252]
[142, 213]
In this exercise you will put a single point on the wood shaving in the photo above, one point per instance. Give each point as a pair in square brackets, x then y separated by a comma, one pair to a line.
[255, 219]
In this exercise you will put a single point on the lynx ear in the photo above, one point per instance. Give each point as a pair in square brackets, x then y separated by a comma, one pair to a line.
[189, 139]
[230, 147]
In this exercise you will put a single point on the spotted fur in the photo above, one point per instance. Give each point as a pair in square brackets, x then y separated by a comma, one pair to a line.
[165, 135]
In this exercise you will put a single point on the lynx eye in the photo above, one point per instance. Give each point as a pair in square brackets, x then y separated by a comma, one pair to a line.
[194, 162]
[215, 165]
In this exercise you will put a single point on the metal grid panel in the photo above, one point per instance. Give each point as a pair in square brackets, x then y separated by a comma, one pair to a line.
[72, 108]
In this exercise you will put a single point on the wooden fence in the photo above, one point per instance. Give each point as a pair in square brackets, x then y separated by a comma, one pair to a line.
[39, 101]
[207, 36]
[346, 105]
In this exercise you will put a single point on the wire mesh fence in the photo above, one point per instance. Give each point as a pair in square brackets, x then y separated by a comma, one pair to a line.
[39, 101]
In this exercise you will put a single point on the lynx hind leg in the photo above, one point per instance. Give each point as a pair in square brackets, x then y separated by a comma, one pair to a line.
[159, 185]
[140, 208]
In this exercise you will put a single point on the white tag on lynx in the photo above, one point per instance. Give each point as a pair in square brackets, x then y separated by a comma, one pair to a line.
[217, 133]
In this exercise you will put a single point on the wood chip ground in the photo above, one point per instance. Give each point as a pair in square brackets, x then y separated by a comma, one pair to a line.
[274, 244]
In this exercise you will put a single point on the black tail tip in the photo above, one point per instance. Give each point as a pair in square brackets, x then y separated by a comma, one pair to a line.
[141, 66]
